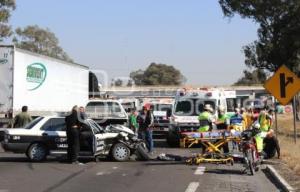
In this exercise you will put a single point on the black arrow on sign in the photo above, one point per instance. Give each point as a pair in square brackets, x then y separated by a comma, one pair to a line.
[284, 83]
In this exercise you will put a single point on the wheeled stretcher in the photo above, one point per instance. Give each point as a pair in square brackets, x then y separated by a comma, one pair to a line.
[213, 142]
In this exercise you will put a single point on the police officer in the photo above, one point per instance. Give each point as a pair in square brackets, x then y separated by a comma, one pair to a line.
[73, 133]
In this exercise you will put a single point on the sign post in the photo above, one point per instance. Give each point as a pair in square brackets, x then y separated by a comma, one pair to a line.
[284, 85]
[294, 112]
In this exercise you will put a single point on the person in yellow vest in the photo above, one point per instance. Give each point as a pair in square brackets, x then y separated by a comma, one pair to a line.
[237, 121]
[206, 119]
[222, 123]
[265, 125]
[244, 115]
[249, 117]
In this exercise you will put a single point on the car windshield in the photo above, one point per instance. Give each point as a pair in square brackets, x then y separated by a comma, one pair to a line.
[33, 123]
[104, 108]
[192, 107]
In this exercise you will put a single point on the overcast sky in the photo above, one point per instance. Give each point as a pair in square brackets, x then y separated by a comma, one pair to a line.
[119, 36]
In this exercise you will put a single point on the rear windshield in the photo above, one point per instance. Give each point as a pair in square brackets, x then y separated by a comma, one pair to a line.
[33, 123]
[103, 107]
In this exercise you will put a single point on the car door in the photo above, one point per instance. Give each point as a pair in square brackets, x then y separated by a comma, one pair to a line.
[98, 140]
[53, 134]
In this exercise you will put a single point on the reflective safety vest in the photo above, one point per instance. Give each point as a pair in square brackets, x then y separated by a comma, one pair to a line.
[204, 119]
[264, 122]
[222, 122]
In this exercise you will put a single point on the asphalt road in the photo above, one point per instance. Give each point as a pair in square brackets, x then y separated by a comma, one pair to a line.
[18, 174]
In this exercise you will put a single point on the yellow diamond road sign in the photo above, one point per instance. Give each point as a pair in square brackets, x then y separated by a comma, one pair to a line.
[283, 85]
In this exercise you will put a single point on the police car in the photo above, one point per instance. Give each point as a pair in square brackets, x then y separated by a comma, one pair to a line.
[47, 136]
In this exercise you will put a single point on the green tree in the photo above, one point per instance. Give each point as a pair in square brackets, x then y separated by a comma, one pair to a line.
[6, 7]
[39, 40]
[157, 74]
[278, 33]
[257, 76]
[117, 82]
[137, 77]
[130, 83]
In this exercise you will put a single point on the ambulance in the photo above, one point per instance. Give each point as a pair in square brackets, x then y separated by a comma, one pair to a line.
[189, 103]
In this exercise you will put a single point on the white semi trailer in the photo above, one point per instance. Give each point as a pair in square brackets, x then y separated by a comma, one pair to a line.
[44, 84]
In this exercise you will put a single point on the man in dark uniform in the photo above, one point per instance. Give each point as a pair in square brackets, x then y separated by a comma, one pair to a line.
[73, 132]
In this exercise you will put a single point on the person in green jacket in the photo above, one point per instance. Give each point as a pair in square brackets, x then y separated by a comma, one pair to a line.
[205, 120]
[23, 118]
[133, 124]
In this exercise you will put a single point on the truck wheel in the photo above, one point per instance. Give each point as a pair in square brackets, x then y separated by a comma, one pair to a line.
[37, 152]
[120, 152]
[141, 152]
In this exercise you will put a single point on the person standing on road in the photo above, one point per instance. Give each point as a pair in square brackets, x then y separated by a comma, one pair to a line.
[265, 125]
[23, 118]
[249, 117]
[149, 130]
[145, 121]
[222, 124]
[82, 113]
[236, 121]
[133, 124]
[206, 119]
[73, 133]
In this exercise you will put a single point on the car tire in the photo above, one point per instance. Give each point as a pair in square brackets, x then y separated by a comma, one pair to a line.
[37, 152]
[141, 152]
[120, 152]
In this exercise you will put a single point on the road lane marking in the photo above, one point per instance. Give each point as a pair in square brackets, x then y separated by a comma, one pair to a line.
[100, 173]
[115, 167]
[200, 171]
[192, 187]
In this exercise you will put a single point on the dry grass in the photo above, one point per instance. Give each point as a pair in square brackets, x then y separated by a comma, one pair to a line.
[290, 152]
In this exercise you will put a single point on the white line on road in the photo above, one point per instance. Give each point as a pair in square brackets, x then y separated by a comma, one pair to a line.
[192, 187]
[100, 173]
[200, 171]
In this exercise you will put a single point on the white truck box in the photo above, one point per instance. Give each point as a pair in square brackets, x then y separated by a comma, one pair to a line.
[42, 83]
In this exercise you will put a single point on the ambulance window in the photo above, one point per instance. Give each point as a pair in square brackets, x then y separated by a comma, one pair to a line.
[230, 104]
[183, 107]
